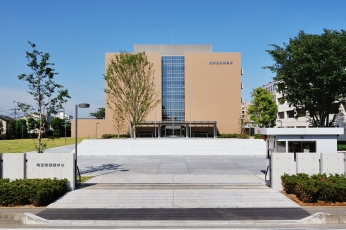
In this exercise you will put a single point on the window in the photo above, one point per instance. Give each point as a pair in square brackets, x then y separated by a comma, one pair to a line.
[173, 95]
[281, 115]
[281, 146]
[290, 114]
[299, 146]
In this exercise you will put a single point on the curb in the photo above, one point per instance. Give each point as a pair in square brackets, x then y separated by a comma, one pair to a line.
[10, 218]
[317, 218]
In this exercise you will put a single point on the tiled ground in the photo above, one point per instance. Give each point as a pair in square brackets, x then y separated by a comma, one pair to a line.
[230, 165]
[173, 198]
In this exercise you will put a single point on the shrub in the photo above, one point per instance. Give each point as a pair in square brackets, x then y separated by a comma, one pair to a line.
[109, 135]
[258, 136]
[229, 135]
[341, 145]
[311, 189]
[39, 192]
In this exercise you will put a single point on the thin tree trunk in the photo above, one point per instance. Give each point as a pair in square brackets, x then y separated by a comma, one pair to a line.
[39, 136]
[134, 131]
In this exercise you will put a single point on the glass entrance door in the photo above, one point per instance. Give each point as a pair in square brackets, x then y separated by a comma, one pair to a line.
[168, 131]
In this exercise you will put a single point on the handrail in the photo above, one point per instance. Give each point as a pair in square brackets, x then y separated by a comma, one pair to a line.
[80, 177]
[265, 176]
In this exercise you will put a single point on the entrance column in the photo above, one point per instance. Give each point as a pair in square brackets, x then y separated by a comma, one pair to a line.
[214, 130]
[187, 131]
[159, 131]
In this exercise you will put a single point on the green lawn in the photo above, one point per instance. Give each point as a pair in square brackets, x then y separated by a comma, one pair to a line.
[27, 145]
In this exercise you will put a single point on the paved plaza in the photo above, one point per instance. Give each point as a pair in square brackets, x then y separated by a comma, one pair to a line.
[139, 186]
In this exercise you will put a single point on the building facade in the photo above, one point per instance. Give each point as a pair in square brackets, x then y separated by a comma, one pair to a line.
[199, 92]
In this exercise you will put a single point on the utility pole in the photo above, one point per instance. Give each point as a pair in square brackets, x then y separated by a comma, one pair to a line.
[15, 111]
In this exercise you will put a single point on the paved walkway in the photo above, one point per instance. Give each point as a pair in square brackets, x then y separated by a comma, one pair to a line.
[229, 165]
[99, 196]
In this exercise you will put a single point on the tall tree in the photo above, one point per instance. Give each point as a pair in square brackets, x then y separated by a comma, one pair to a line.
[1, 127]
[263, 109]
[311, 74]
[130, 87]
[99, 113]
[43, 90]
[11, 130]
[21, 128]
[118, 123]
[32, 124]
[58, 126]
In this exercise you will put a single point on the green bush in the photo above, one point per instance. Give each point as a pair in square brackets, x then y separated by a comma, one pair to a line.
[109, 135]
[341, 145]
[229, 135]
[258, 136]
[311, 189]
[39, 192]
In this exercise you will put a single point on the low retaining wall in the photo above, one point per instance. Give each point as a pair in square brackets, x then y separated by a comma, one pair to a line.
[309, 163]
[172, 146]
[39, 165]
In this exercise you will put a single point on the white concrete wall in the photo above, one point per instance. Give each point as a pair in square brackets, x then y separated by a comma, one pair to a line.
[0, 165]
[308, 163]
[175, 146]
[47, 165]
[39, 165]
[281, 163]
[332, 163]
[13, 166]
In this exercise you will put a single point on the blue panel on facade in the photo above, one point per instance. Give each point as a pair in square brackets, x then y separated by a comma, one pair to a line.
[173, 88]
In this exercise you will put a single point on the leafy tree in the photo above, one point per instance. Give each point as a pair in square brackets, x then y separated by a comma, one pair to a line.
[1, 127]
[263, 108]
[99, 114]
[43, 90]
[118, 123]
[58, 126]
[21, 128]
[32, 124]
[311, 74]
[68, 130]
[130, 87]
[11, 130]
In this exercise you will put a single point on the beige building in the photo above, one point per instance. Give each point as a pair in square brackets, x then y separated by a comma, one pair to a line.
[200, 93]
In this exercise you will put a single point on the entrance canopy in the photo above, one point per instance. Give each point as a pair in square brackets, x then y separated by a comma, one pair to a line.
[178, 125]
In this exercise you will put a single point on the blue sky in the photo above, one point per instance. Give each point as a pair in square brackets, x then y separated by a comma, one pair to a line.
[77, 34]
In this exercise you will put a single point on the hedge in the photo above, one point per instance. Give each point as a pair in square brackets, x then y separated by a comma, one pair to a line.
[39, 192]
[311, 189]
[109, 135]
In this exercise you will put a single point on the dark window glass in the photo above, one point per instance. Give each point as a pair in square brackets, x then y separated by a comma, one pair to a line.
[173, 103]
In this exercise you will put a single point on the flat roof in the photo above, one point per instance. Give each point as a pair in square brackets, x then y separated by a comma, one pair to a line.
[173, 49]
[302, 131]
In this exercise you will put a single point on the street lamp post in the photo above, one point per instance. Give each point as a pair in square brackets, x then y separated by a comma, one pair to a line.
[96, 129]
[82, 105]
[65, 129]
[190, 104]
